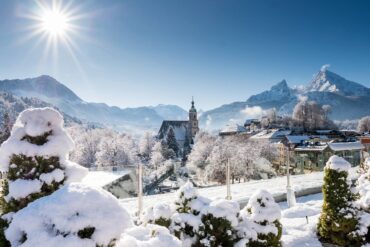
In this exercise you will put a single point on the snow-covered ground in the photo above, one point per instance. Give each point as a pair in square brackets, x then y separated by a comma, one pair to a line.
[241, 192]
[299, 231]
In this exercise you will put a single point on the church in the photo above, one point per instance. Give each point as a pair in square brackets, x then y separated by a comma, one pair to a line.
[185, 130]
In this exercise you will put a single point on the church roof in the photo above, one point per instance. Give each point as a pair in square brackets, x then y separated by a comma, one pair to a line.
[180, 127]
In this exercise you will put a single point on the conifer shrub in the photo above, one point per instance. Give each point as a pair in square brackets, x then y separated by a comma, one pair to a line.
[219, 222]
[260, 221]
[159, 214]
[35, 158]
[186, 219]
[339, 221]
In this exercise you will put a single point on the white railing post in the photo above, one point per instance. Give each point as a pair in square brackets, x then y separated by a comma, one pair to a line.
[228, 189]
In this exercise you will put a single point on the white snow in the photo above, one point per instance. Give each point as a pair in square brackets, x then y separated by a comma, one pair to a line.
[21, 188]
[297, 230]
[56, 219]
[222, 208]
[34, 122]
[148, 236]
[343, 146]
[56, 175]
[241, 192]
[337, 163]
[101, 178]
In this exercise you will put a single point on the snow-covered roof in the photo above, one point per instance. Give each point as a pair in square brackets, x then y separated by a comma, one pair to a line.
[233, 128]
[296, 139]
[271, 134]
[342, 146]
[179, 127]
[101, 178]
[317, 148]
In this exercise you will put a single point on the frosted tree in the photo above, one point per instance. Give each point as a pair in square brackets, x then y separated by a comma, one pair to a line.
[262, 215]
[146, 145]
[35, 158]
[87, 144]
[339, 220]
[310, 116]
[119, 150]
[364, 124]
[197, 159]
[172, 142]
[156, 157]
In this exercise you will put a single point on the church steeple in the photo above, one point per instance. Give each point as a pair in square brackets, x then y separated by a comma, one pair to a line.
[193, 119]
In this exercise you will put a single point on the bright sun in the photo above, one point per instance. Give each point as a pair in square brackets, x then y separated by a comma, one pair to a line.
[54, 22]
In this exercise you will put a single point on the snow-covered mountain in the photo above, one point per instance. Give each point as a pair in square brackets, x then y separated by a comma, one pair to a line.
[327, 81]
[53, 92]
[349, 100]
[170, 112]
[13, 105]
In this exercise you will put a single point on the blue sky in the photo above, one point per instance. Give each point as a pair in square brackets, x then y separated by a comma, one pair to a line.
[134, 52]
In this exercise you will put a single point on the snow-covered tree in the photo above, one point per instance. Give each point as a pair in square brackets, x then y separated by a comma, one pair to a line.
[146, 145]
[119, 150]
[364, 124]
[6, 127]
[262, 215]
[311, 116]
[159, 214]
[339, 220]
[87, 144]
[172, 142]
[156, 156]
[35, 158]
[204, 143]
[186, 221]
[219, 223]
[75, 215]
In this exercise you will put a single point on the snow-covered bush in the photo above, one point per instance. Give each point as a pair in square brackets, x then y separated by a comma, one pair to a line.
[75, 215]
[260, 221]
[186, 220]
[148, 236]
[35, 158]
[219, 222]
[159, 214]
[339, 220]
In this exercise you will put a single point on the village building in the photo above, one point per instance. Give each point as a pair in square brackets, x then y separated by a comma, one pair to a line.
[185, 130]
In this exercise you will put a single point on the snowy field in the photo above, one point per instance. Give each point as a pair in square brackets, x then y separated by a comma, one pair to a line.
[241, 192]
[297, 230]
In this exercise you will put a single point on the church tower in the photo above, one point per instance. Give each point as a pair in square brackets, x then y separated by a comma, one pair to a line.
[193, 120]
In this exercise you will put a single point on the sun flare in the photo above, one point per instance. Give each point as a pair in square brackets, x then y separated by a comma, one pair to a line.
[54, 22]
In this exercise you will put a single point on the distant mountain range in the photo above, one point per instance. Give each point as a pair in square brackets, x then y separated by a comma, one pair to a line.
[349, 100]
[47, 89]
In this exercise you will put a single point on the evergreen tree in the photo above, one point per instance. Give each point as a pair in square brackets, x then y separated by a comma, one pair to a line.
[262, 214]
[172, 142]
[35, 158]
[187, 149]
[219, 222]
[167, 152]
[339, 219]
[6, 127]
[186, 220]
